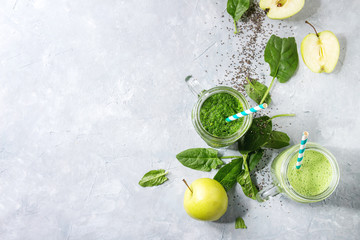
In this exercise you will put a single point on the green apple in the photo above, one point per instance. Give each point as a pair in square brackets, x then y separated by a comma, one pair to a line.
[280, 9]
[205, 199]
[320, 51]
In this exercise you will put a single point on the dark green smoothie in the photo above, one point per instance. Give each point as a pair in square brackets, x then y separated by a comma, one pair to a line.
[216, 109]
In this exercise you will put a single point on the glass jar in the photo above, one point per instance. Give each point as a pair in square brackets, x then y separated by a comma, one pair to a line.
[281, 184]
[214, 141]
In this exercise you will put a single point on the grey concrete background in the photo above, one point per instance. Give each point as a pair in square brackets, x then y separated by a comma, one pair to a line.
[92, 96]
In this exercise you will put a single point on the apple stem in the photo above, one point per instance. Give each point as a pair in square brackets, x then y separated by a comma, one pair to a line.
[313, 28]
[187, 186]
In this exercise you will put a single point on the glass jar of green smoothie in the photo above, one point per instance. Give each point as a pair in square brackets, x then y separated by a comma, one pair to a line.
[212, 108]
[316, 179]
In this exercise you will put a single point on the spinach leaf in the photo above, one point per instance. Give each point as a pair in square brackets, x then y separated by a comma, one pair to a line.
[227, 174]
[257, 135]
[247, 186]
[278, 140]
[153, 178]
[240, 223]
[282, 56]
[203, 159]
[256, 91]
[254, 158]
[246, 183]
[236, 8]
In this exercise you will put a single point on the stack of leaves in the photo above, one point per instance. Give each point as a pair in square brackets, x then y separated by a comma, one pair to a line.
[260, 135]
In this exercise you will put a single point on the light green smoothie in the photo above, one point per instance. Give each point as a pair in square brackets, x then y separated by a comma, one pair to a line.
[313, 178]
[316, 179]
[314, 175]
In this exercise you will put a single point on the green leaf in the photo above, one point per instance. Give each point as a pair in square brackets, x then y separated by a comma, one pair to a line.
[227, 174]
[240, 223]
[236, 8]
[256, 91]
[246, 183]
[282, 56]
[254, 158]
[278, 140]
[153, 178]
[203, 159]
[257, 135]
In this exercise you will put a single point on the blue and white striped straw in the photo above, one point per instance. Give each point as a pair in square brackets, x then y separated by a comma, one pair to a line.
[246, 112]
[302, 149]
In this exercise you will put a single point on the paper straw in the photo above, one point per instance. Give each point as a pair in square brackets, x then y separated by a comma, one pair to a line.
[302, 149]
[246, 112]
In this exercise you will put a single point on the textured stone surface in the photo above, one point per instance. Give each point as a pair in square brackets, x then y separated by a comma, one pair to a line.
[93, 96]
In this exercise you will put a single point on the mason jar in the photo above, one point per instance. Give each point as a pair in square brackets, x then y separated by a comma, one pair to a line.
[281, 183]
[203, 95]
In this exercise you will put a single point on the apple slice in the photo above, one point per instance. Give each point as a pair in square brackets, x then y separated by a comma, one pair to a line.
[320, 51]
[280, 9]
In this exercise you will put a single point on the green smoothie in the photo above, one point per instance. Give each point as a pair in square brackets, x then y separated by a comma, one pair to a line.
[314, 175]
[216, 109]
[316, 179]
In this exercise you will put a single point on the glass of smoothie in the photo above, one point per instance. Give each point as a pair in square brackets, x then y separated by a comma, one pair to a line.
[212, 108]
[316, 179]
